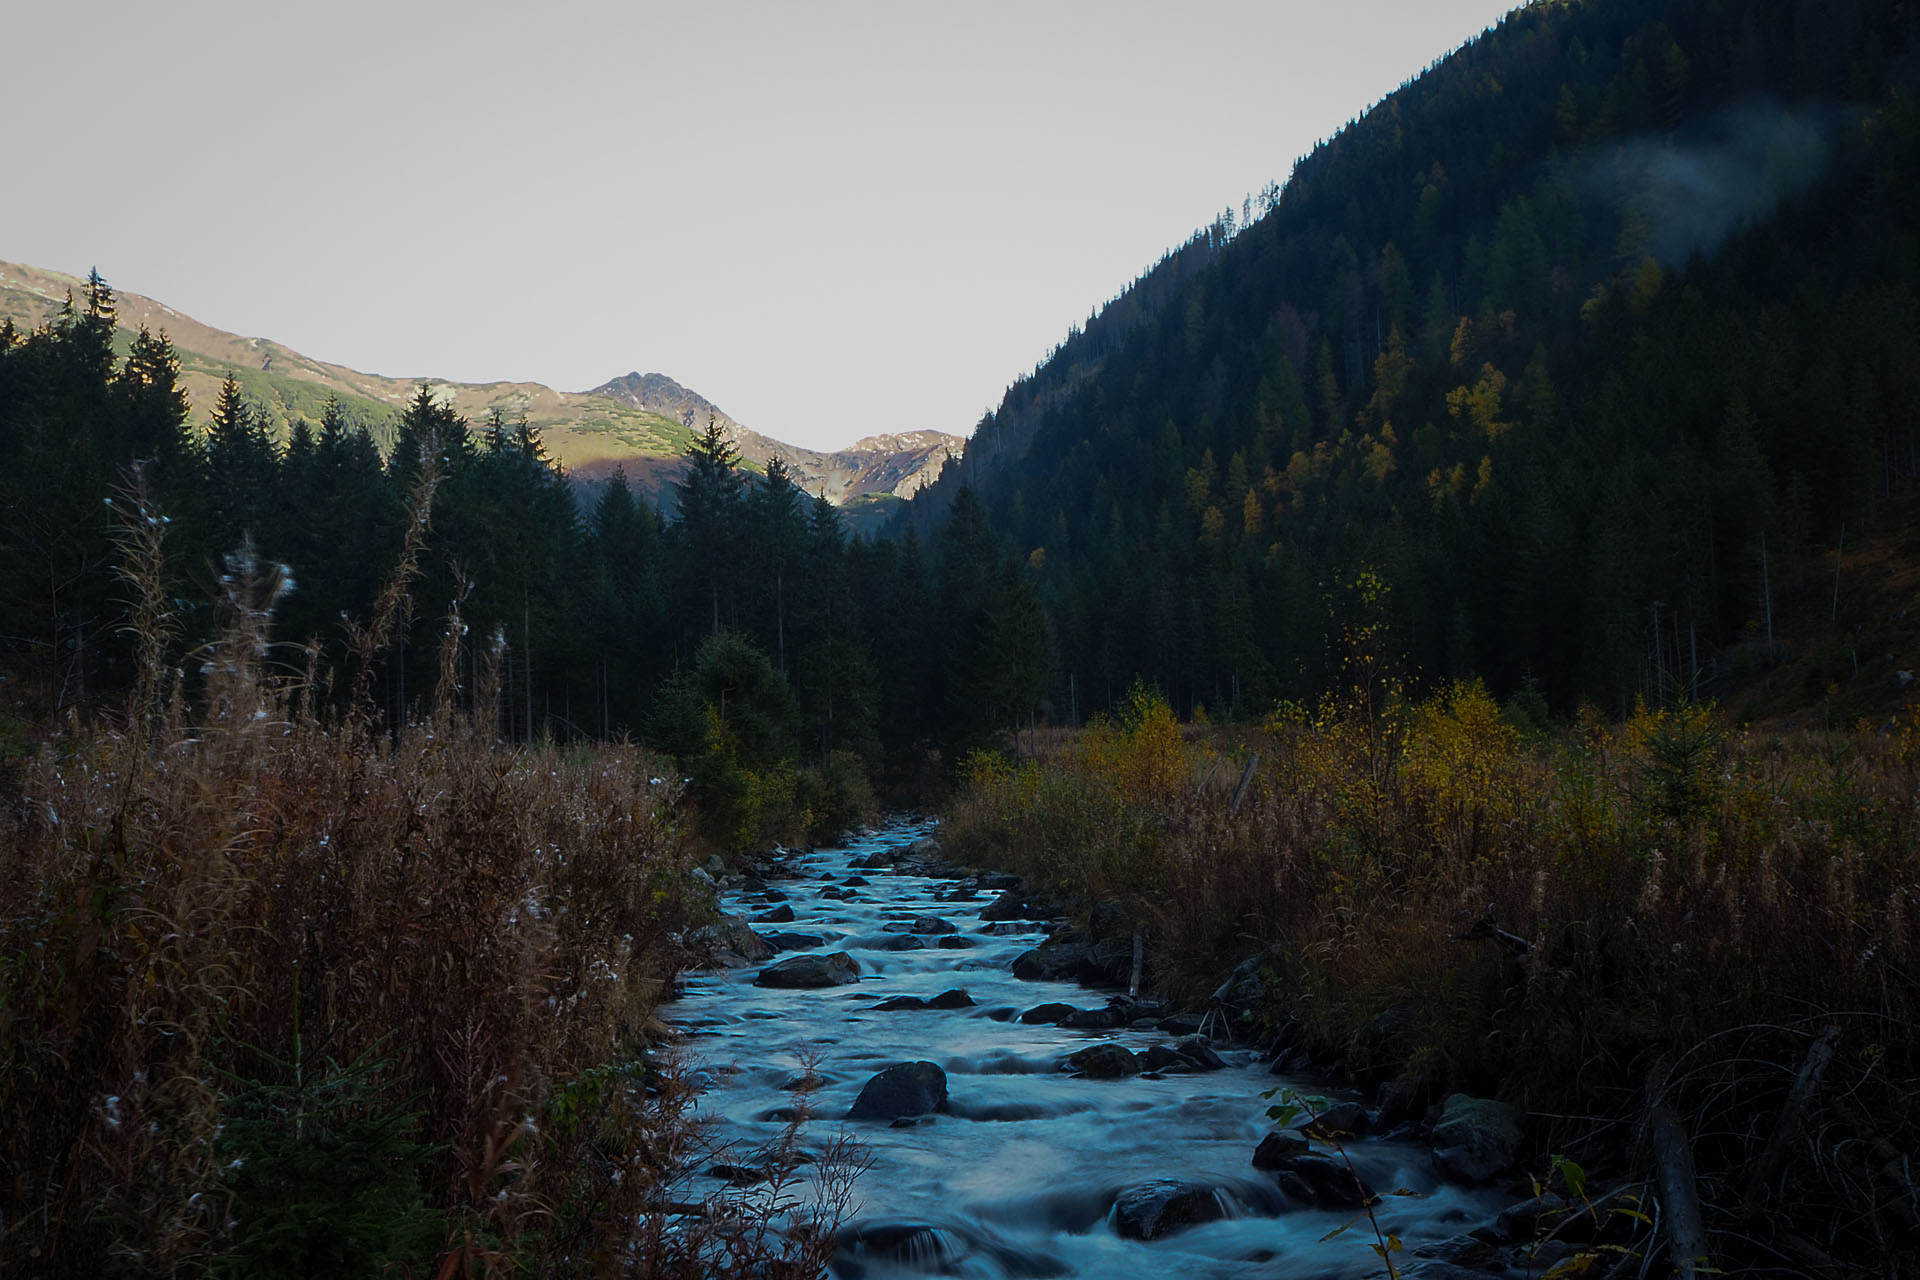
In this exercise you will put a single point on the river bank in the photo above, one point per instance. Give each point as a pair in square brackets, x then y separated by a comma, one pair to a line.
[1665, 944]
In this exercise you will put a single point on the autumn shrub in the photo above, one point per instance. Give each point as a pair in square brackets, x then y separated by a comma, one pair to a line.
[834, 798]
[1545, 918]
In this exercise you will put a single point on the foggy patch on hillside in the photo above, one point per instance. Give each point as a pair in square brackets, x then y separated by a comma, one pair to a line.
[1684, 196]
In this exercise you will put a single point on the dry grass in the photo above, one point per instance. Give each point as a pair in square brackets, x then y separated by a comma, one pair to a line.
[1705, 900]
[253, 912]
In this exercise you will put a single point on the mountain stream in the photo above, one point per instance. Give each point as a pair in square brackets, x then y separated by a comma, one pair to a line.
[1028, 1170]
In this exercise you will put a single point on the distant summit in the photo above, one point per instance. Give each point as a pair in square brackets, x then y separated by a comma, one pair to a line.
[881, 466]
[657, 393]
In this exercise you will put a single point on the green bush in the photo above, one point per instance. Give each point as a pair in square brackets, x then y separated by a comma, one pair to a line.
[323, 1174]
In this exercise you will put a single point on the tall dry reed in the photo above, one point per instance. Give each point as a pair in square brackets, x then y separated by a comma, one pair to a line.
[242, 927]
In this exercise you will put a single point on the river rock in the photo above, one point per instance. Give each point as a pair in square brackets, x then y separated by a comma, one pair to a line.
[899, 1003]
[902, 942]
[1161, 1057]
[1104, 1062]
[1011, 905]
[1054, 1013]
[731, 940]
[782, 914]
[1163, 1206]
[904, 1089]
[1342, 1120]
[780, 940]
[854, 882]
[1094, 1019]
[808, 971]
[1277, 1148]
[931, 926]
[955, 942]
[1475, 1138]
[1058, 963]
[1323, 1180]
[957, 998]
[916, 1245]
[1089, 963]
[1198, 1050]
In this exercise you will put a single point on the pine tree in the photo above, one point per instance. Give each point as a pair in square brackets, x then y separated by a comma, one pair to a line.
[709, 499]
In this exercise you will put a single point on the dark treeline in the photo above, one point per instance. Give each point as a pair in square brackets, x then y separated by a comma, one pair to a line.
[749, 634]
[1581, 340]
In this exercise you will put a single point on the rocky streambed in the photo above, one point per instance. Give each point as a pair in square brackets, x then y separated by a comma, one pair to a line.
[1028, 1125]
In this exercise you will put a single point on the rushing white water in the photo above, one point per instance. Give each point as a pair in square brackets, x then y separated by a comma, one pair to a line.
[1019, 1176]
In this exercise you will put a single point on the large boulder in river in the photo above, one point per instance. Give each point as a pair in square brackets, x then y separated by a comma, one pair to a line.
[1475, 1138]
[1011, 905]
[1199, 1052]
[913, 1245]
[1105, 1061]
[899, 1003]
[1093, 964]
[904, 1089]
[1163, 1206]
[1048, 1014]
[1277, 1148]
[1339, 1122]
[781, 940]
[1317, 1179]
[813, 970]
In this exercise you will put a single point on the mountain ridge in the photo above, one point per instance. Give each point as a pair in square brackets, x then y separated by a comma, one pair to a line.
[637, 423]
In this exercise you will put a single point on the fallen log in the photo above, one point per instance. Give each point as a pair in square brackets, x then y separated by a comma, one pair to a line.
[1679, 1187]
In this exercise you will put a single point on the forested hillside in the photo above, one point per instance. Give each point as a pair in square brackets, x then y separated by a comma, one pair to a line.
[1580, 341]
[781, 661]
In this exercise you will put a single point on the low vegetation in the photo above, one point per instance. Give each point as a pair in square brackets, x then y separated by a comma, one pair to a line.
[284, 992]
[1576, 920]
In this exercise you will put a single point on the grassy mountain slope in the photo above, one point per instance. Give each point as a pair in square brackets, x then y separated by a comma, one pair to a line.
[590, 433]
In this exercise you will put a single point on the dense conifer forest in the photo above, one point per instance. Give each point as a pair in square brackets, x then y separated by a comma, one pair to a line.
[823, 660]
[1581, 340]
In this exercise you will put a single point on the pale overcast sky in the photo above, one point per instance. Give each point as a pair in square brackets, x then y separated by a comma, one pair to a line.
[831, 219]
